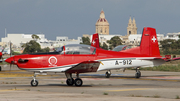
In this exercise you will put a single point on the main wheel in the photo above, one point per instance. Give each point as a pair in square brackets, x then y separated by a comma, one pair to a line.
[34, 83]
[78, 82]
[0, 68]
[138, 74]
[70, 82]
[107, 74]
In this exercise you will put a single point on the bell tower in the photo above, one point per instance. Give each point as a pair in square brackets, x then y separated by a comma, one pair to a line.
[131, 29]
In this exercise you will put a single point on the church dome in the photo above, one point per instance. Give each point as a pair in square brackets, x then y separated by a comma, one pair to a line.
[102, 20]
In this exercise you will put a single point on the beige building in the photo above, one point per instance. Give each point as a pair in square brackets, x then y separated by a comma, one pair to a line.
[102, 25]
[131, 29]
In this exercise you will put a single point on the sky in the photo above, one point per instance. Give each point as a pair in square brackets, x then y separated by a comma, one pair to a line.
[73, 18]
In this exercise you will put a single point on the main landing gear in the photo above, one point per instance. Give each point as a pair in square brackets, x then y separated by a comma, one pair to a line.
[70, 81]
[138, 73]
[108, 74]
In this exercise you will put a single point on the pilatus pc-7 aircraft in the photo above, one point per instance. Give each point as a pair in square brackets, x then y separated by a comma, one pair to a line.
[84, 58]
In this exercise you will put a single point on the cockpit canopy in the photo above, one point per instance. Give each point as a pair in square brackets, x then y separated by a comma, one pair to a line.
[121, 47]
[76, 49]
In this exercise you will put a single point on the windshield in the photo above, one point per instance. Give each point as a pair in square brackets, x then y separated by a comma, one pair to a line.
[59, 49]
[79, 49]
[121, 47]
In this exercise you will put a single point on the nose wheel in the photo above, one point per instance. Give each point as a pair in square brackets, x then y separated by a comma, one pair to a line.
[34, 82]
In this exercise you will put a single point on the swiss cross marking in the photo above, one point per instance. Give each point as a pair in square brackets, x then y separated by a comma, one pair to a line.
[93, 42]
[154, 39]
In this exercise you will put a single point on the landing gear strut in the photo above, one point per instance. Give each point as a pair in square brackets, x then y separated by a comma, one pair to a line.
[138, 73]
[70, 81]
[108, 74]
[34, 82]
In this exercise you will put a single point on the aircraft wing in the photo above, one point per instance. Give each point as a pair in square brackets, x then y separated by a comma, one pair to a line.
[178, 58]
[83, 67]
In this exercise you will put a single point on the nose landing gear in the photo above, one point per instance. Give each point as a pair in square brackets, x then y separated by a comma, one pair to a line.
[34, 82]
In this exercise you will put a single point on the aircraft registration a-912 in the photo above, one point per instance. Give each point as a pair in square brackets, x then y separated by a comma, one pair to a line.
[79, 58]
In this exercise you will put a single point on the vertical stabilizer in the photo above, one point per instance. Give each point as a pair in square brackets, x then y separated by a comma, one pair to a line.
[149, 43]
[95, 40]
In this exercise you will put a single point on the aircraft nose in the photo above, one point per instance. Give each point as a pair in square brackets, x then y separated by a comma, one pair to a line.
[0, 55]
[10, 60]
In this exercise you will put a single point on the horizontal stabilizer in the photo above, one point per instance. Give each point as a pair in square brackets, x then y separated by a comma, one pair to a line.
[172, 59]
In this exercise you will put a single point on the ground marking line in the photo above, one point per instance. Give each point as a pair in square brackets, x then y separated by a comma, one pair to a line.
[128, 89]
[9, 90]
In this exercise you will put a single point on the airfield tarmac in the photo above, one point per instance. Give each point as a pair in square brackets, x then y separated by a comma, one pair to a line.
[153, 85]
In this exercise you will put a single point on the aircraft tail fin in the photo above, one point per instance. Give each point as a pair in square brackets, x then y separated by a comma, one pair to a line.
[149, 42]
[95, 40]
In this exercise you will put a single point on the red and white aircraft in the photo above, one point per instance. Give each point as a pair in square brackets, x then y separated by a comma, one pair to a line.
[84, 58]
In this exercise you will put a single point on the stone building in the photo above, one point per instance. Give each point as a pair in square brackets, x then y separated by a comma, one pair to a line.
[102, 25]
[131, 29]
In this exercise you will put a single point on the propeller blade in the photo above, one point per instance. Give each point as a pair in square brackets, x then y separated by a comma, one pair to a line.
[3, 49]
[10, 49]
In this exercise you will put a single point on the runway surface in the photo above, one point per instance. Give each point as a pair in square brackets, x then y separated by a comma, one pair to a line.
[153, 85]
